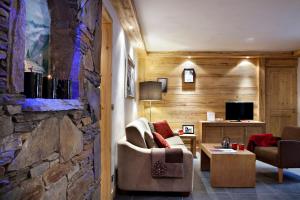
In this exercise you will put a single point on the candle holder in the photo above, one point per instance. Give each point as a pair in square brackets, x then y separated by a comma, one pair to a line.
[33, 84]
[49, 87]
[63, 89]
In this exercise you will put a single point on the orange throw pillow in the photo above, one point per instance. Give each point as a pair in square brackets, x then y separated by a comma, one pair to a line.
[163, 128]
[160, 141]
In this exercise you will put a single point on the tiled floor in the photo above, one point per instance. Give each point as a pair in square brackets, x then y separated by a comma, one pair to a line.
[266, 187]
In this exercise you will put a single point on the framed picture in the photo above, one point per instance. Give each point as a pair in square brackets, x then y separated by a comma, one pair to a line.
[130, 79]
[164, 84]
[189, 75]
[188, 129]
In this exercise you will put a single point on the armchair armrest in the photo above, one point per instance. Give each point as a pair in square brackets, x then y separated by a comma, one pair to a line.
[288, 153]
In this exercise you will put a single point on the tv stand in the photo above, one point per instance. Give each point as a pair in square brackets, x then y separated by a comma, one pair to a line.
[237, 131]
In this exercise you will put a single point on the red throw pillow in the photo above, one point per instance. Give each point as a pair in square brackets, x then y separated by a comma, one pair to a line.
[160, 141]
[163, 128]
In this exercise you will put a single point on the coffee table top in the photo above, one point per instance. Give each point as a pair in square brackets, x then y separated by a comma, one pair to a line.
[212, 149]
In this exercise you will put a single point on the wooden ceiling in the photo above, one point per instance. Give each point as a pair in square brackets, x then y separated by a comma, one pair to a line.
[126, 12]
[128, 19]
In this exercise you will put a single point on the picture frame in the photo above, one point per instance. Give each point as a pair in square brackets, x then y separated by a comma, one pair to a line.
[129, 78]
[188, 129]
[189, 75]
[164, 84]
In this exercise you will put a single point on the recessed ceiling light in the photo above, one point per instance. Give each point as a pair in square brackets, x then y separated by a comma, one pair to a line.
[247, 57]
[250, 39]
[189, 57]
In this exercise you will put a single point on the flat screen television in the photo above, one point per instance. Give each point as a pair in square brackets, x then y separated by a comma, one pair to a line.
[239, 111]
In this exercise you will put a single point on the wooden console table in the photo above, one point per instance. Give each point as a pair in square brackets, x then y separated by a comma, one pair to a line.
[213, 132]
[192, 138]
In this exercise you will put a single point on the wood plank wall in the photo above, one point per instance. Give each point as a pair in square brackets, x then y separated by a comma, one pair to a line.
[217, 80]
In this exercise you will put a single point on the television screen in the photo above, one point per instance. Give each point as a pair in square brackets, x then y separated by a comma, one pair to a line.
[239, 111]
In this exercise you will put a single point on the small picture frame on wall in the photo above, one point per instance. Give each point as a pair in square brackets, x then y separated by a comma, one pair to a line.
[188, 129]
[189, 76]
[164, 84]
[130, 79]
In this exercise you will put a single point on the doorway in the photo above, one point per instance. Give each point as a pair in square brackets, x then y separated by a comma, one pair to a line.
[105, 93]
[281, 98]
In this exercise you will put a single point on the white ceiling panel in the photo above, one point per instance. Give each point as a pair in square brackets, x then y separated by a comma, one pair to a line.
[220, 25]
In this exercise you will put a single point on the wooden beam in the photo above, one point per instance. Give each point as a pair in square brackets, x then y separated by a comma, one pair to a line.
[127, 15]
[105, 122]
[262, 88]
[297, 53]
[216, 54]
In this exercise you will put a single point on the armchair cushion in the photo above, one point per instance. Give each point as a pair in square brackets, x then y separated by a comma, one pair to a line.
[163, 128]
[267, 154]
[261, 140]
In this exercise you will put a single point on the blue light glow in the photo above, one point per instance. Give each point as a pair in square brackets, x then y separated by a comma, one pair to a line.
[74, 75]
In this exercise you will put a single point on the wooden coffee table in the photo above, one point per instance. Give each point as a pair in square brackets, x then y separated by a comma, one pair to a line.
[228, 169]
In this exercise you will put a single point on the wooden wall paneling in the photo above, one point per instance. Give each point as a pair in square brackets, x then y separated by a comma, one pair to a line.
[141, 78]
[217, 80]
[281, 94]
[297, 53]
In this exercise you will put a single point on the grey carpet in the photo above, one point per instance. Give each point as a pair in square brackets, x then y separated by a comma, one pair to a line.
[266, 188]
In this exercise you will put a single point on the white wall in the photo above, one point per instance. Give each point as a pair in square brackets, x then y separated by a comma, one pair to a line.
[298, 90]
[125, 110]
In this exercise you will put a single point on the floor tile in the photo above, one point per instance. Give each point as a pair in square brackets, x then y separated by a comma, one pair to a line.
[267, 187]
[150, 197]
[123, 197]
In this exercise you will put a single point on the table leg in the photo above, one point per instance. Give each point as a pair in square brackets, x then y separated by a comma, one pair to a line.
[204, 161]
[193, 147]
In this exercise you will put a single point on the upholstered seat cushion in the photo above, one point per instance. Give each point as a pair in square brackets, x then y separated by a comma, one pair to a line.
[267, 155]
[181, 146]
[175, 140]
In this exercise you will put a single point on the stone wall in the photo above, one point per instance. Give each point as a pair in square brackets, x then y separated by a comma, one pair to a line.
[48, 155]
[51, 149]
[4, 28]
